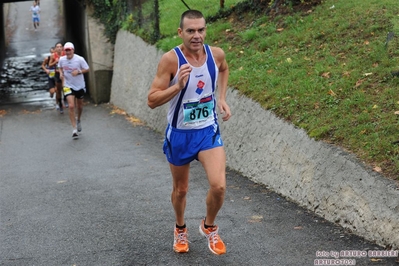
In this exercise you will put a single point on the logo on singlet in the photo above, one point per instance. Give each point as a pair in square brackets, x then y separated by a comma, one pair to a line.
[200, 87]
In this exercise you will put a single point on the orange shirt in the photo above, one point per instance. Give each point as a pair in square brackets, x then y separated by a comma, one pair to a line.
[57, 57]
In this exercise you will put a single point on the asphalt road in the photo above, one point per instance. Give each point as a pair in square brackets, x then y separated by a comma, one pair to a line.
[104, 199]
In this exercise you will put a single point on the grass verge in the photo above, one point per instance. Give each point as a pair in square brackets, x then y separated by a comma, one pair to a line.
[326, 68]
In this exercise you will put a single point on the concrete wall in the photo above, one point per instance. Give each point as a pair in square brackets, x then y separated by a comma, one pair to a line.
[3, 17]
[100, 56]
[267, 150]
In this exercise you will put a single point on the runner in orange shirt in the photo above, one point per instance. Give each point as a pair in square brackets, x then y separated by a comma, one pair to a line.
[55, 57]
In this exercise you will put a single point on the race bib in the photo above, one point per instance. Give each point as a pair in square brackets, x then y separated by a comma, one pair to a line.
[51, 74]
[67, 90]
[198, 112]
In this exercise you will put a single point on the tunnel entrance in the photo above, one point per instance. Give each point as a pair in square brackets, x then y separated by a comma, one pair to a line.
[23, 48]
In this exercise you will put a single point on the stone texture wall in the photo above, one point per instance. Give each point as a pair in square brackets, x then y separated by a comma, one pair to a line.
[267, 150]
[100, 56]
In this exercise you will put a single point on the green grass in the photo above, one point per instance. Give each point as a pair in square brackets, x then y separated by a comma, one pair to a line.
[326, 71]
[170, 11]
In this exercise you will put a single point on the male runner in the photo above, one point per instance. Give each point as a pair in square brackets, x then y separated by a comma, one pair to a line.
[187, 78]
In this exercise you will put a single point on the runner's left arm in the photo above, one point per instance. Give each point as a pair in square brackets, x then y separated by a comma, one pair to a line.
[222, 82]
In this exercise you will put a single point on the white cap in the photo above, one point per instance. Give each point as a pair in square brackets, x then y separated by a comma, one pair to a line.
[69, 45]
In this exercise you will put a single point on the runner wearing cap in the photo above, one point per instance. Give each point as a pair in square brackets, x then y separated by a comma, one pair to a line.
[72, 67]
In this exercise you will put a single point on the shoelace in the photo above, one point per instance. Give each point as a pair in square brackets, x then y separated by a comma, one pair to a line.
[182, 238]
[213, 236]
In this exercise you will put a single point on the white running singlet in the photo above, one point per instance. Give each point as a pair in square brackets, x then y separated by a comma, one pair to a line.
[195, 106]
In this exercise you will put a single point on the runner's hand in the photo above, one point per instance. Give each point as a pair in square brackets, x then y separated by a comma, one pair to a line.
[184, 73]
[224, 110]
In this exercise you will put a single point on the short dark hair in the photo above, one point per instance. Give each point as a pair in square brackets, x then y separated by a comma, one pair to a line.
[191, 14]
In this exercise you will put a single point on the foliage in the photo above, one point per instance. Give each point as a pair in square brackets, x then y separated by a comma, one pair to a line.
[112, 13]
[148, 19]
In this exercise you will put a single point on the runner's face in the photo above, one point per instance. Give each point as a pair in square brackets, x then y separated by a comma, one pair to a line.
[58, 48]
[69, 53]
[193, 33]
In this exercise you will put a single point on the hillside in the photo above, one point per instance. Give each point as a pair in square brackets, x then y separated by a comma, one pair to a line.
[325, 66]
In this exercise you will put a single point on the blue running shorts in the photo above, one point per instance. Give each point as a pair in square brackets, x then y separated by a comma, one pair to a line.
[182, 146]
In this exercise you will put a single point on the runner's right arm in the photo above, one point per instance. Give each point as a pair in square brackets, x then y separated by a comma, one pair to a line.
[160, 92]
[53, 62]
[44, 65]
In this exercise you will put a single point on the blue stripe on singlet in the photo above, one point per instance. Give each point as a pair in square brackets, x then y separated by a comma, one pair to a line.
[211, 66]
[182, 61]
[212, 72]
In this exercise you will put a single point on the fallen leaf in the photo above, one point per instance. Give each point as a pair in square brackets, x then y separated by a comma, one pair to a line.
[118, 111]
[346, 74]
[134, 120]
[377, 169]
[289, 60]
[247, 198]
[359, 82]
[396, 113]
[326, 75]
[3, 112]
[332, 93]
[375, 106]
[256, 219]
[280, 29]
[25, 112]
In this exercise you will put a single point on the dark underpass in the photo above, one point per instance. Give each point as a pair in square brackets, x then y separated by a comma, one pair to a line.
[23, 49]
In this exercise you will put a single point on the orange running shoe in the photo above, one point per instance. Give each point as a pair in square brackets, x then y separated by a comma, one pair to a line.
[215, 243]
[180, 243]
